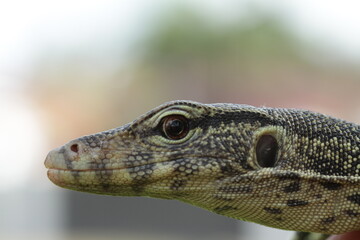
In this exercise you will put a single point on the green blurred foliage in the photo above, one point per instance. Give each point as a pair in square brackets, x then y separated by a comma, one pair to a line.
[185, 35]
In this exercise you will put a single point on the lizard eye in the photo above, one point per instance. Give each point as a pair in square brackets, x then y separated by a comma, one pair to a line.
[175, 127]
[266, 151]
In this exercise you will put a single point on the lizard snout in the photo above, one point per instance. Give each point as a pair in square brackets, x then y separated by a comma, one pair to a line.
[55, 159]
[62, 158]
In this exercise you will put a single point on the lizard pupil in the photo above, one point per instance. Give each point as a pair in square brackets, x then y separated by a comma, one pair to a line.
[175, 127]
[266, 151]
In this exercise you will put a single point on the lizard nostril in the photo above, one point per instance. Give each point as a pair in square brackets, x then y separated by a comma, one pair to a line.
[74, 148]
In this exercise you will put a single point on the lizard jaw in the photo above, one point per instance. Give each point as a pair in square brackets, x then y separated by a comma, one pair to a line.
[73, 170]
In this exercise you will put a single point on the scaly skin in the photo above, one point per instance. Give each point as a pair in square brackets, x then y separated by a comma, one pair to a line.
[284, 168]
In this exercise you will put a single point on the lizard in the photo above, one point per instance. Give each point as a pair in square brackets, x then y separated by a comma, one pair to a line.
[284, 168]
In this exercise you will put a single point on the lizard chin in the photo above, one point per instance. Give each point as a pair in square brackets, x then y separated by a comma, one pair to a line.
[94, 181]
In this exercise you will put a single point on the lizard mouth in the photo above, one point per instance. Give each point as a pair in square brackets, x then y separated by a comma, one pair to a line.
[78, 174]
[126, 181]
[72, 172]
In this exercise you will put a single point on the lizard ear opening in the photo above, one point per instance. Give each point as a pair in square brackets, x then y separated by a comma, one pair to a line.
[266, 151]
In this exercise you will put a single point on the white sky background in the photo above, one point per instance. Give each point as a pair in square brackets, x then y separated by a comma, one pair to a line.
[29, 27]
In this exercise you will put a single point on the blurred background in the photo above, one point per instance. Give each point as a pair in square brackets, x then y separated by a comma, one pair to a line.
[71, 68]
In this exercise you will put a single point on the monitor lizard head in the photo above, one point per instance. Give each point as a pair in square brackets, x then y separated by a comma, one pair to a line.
[178, 147]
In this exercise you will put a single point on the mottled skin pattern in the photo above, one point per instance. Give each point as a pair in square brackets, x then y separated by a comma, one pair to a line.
[313, 186]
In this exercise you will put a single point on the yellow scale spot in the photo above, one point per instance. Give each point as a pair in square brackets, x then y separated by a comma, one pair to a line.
[88, 178]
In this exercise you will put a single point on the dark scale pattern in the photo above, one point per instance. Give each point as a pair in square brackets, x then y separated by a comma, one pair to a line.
[331, 185]
[296, 203]
[273, 210]
[328, 220]
[312, 183]
[355, 198]
[292, 187]
[351, 213]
